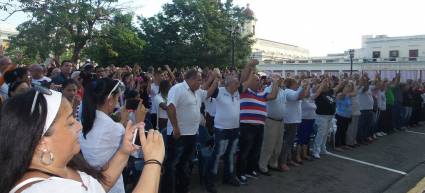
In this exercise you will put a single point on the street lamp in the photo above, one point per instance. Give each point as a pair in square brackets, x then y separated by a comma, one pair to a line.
[234, 31]
[351, 53]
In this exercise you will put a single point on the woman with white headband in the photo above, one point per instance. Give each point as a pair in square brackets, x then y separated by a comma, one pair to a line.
[39, 149]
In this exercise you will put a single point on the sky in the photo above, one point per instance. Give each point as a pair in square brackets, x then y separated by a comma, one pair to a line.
[321, 26]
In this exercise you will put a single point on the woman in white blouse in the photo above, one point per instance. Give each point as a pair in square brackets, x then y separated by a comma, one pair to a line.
[39, 138]
[101, 136]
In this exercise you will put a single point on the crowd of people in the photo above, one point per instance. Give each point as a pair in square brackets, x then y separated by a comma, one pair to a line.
[250, 124]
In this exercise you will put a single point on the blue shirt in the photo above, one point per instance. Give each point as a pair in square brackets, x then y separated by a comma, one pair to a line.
[344, 107]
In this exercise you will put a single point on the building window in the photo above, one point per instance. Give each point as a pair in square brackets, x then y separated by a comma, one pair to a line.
[393, 55]
[413, 55]
[375, 55]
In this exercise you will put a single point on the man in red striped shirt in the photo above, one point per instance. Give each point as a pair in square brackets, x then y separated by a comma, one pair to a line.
[252, 116]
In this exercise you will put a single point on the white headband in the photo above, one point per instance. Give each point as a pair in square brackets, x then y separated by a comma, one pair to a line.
[53, 104]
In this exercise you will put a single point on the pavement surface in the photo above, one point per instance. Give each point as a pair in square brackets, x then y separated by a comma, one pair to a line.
[392, 164]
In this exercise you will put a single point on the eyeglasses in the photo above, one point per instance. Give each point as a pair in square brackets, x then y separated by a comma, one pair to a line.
[120, 86]
[38, 89]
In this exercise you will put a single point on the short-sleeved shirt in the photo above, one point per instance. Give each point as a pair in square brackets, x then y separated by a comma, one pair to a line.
[154, 92]
[161, 112]
[325, 103]
[275, 107]
[292, 107]
[101, 144]
[253, 107]
[227, 109]
[188, 108]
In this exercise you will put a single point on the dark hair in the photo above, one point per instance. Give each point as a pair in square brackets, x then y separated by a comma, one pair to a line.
[68, 82]
[191, 74]
[124, 77]
[130, 94]
[95, 95]
[288, 82]
[13, 86]
[164, 87]
[15, 75]
[20, 133]
[65, 61]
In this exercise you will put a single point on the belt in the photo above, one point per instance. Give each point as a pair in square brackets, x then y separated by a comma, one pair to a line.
[275, 119]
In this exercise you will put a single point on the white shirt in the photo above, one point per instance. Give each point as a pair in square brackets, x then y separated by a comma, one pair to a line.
[210, 106]
[188, 108]
[292, 107]
[227, 109]
[62, 185]
[101, 143]
[382, 101]
[161, 112]
[4, 91]
[275, 107]
[308, 108]
[154, 92]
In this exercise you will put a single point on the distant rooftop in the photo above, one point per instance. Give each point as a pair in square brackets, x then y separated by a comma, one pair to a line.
[276, 42]
[7, 28]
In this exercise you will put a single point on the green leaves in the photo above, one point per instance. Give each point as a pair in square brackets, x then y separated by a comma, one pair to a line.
[195, 32]
[117, 43]
[60, 25]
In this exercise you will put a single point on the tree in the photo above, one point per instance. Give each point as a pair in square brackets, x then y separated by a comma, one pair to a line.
[37, 40]
[195, 32]
[77, 19]
[117, 43]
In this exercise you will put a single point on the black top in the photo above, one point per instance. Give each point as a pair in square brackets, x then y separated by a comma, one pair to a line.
[325, 103]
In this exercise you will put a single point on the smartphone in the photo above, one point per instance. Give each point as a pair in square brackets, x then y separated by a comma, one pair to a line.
[132, 104]
[136, 140]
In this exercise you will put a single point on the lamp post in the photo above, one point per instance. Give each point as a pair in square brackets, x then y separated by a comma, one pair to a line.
[351, 53]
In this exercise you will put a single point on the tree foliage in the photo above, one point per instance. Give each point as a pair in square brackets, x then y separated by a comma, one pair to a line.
[68, 23]
[117, 43]
[195, 32]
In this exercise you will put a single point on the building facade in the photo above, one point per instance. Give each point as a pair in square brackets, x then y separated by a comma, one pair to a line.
[382, 48]
[387, 55]
[6, 31]
[268, 51]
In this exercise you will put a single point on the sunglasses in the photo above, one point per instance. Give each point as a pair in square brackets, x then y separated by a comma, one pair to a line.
[120, 86]
[38, 89]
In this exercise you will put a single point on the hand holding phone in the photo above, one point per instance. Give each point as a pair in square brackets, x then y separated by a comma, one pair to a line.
[136, 140]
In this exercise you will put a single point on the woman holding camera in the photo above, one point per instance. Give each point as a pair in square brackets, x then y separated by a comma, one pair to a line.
[39, 149]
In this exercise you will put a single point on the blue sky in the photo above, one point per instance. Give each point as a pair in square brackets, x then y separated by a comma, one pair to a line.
[322, 26]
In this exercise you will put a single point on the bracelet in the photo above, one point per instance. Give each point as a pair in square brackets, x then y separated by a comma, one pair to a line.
[153, 161]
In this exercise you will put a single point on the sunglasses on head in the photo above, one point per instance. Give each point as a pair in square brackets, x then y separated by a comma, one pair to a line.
[39, 89]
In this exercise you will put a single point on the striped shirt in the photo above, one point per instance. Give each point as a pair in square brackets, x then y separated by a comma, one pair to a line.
[253, 107]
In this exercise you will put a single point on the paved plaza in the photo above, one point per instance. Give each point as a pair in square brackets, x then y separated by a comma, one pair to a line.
[392, 164]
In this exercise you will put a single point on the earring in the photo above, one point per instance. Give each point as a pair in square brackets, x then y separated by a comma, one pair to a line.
[48, 160]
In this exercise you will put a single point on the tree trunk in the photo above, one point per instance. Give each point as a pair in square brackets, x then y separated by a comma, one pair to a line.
[76, 53]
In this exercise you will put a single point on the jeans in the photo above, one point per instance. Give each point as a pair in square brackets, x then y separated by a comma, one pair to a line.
[407, 114]
[342, 124]
[288, 142]
[226, 144]
[397, 116]
[324, 124]
[251, 140]
[177, 176]
[270, 151]
[365, 125]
